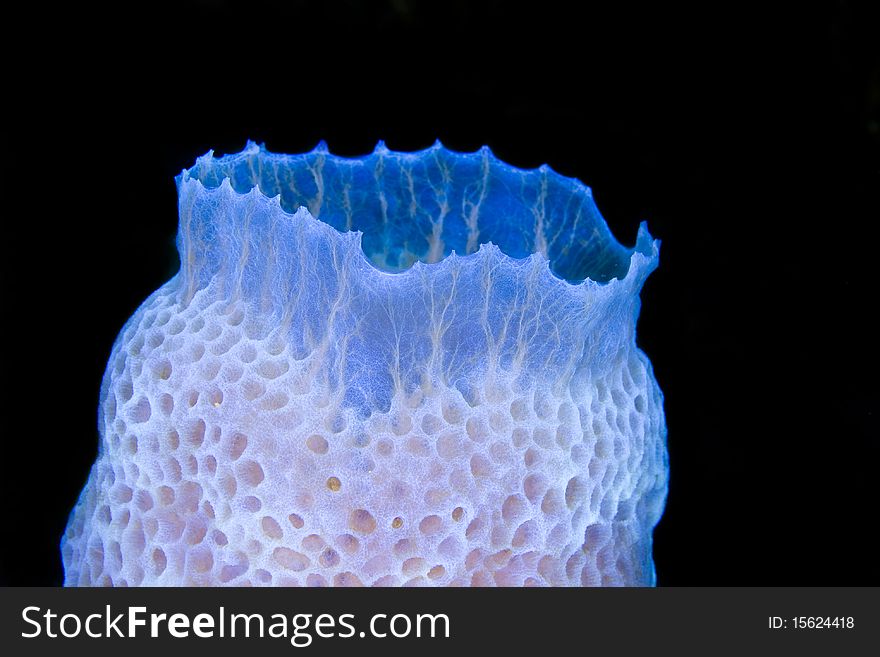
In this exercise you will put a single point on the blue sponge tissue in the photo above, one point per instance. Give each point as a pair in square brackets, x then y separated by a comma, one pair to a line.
[401, 369]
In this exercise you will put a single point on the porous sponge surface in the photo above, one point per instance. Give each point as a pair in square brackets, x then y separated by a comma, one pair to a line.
[284, 413]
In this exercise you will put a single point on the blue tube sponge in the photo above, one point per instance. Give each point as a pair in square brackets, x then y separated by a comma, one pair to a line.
[399, 369]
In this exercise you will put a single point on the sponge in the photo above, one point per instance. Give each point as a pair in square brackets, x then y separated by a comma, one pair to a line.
[403, 369]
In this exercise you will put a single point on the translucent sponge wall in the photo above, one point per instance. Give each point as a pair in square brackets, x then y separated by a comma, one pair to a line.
[401, 369]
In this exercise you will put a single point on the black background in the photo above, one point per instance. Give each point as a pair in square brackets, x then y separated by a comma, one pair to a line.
[747, 138]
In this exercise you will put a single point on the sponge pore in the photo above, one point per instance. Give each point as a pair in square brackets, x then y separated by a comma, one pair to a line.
[412, 369]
